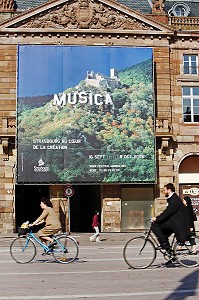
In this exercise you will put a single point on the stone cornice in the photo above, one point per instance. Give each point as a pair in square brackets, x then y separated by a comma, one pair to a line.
[85, 36]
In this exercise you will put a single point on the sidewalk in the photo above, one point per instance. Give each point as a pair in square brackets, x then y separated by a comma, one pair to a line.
[107, 238]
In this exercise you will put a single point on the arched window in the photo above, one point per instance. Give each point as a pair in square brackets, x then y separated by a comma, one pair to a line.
[179, 10]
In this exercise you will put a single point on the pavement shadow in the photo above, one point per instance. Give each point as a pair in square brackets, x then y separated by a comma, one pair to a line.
[188, 287]
[48, 260]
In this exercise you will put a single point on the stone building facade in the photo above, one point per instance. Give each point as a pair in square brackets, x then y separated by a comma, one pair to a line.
[175, 43]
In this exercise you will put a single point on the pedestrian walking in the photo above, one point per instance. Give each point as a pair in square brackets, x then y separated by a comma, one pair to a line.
[95, 226]
[190, 219]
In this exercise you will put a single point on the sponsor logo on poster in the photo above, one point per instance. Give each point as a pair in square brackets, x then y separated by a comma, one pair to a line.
[41, 166]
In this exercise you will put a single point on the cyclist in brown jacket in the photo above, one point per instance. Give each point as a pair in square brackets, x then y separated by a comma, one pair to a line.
[52, 223]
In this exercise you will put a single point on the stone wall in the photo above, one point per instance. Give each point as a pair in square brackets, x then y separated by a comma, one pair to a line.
[111, 215]
[7, 137]
[60, 205]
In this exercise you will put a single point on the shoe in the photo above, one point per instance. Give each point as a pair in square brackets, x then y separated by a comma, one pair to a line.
[165, 246]
[52, 244]
[91, 239]
[98, 241]
[179, 247]
[169, 263]
[193, 250]
[46, 253]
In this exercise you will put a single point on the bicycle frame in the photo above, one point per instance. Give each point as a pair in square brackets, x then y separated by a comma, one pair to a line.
[32, 237]
[45, 247]
[153, 238]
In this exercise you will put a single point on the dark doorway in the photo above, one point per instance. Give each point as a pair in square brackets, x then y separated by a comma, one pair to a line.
[83, 204]
[27, 202]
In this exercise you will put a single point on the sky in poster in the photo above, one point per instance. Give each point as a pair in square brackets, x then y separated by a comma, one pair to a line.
[44, 70]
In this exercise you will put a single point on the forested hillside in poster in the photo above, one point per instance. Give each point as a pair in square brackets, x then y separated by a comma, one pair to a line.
[84, 142]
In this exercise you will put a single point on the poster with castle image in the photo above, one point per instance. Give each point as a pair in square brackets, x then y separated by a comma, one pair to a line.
[85, 114]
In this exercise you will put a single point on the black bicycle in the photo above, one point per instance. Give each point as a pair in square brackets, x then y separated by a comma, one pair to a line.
[140, 252]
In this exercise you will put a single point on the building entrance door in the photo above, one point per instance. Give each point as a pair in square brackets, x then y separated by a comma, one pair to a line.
[84, 202]
[189, 182]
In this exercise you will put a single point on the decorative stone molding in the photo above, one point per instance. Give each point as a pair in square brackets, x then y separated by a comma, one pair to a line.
[162, 126]
[8, 125]
[158, 6]
[166, 151]
[4, 142]
[84, 14]
[6, 5]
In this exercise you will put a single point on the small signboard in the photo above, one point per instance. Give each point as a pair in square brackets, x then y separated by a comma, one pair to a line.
[68, 191]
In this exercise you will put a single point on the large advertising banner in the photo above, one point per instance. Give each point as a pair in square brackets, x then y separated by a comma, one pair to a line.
[85, 114]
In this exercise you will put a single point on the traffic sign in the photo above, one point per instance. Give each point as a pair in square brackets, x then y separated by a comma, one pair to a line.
[68, 191]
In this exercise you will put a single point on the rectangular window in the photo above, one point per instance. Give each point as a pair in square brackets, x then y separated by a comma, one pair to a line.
[190, 63]
[190, 99]
[137, 207]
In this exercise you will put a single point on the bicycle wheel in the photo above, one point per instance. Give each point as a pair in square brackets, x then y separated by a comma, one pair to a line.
[66, 250]
[139, 253]
[185, 255]
[23, 250]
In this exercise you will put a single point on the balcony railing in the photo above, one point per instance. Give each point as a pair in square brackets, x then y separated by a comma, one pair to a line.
[184, 22]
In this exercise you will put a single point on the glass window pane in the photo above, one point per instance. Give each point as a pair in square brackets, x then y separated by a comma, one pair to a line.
[186, 70]
[137, 207]
[186, 91]
[180, 11]
[195, 102]
[196, 91]
[193, 70]
[196, 110]
[196, 118]
[187, 118]
[186, 57]
[193, 64]
[186, 102]
[193, 58]
[187, 110]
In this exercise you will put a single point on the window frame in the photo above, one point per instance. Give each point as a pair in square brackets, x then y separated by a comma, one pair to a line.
[177, 7]
[190, 66]
[190, 97]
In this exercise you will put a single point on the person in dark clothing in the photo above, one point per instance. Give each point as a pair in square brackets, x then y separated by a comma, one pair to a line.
[190, 222]
[171, 220]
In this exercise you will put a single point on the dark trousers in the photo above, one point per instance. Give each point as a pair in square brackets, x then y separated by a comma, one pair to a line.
[163, 231]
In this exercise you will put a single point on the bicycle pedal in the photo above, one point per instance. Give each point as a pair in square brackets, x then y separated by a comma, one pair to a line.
[160, 248]
[46, 253]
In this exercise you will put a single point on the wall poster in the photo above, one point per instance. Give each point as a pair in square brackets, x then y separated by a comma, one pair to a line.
[85, 115]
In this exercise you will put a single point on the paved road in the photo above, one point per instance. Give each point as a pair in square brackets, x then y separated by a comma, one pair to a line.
[100, 273]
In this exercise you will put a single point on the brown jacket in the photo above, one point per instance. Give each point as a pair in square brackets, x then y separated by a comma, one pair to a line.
[50, 218]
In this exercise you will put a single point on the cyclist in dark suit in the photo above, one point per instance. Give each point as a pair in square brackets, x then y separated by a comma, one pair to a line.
[171, 220]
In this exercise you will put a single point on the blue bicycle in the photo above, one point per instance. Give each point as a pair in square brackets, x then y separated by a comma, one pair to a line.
[23, 249]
